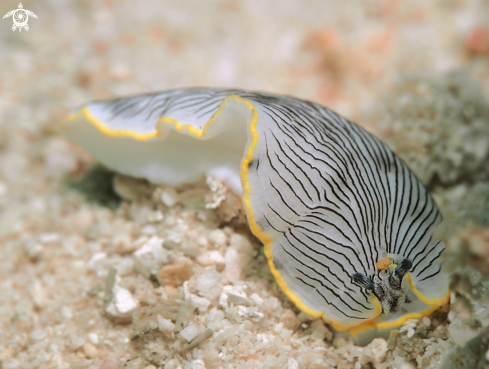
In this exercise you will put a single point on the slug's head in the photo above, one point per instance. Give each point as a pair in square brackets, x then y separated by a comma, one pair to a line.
[386, 285]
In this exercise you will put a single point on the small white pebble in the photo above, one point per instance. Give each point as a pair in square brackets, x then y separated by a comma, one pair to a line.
[38, 293]
[257, 300]
[125, 266]
[123, 303]
[209, 279]
[270, 360]
[174, 237]
[223, 299]
[78, 264]
[200, 303]
[210, 258]
[90, 350]
[169, 196]
[53, 348]
[242, 244]
[97, 261]
[165, 325]
[93, 338]
[33, 249]
[292, 364]
[48, 237]
[248, 325]
[151, 244]
[202, 241]
[38, 334]
[66, 312]
[426, 321]
[232, 261]
[172, 364]
[278, 327]
[191, 331]
[249, 312]
[156, 216]
[75, 342]
[378, 348]
[148, 230]
[237, 296]
[218, 237]
[198, 364]
[409, 326]
[153, 324]
[409, 331]
[152, 254]
[321, 332]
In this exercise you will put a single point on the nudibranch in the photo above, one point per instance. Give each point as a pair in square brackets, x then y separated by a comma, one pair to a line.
[347, 227]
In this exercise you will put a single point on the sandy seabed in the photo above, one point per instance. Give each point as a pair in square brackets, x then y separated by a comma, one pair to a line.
[102, 271]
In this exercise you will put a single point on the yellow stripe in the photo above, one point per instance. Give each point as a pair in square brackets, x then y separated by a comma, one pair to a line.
[84, 112]
[396, 323]
[427, 301]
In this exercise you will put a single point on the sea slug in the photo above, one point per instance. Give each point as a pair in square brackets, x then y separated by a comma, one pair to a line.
[347, 227]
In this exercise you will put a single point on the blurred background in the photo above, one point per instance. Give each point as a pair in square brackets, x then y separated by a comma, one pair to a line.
[415, 73]
[345, 56]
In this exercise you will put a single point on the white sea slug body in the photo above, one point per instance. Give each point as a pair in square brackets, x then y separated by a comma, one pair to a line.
[347, 227]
